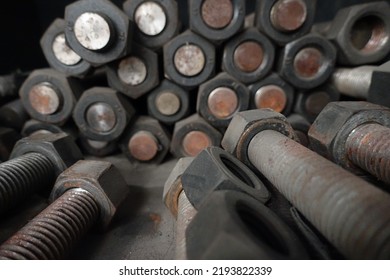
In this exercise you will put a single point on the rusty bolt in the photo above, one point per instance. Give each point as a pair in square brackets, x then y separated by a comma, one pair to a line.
[288, 15]
[262, 139]
[248, 56]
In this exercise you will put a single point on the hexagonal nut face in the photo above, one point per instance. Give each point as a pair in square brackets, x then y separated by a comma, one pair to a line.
[245, 125]
[361, 33]
[134, 75]
[214, 169]
[63, 92]
[101, 179]
[109, 107]
[108, 15]
[251, 230]
[8, 138]
[335, 123]
[173, 186]
[60, 148]
[379, 84]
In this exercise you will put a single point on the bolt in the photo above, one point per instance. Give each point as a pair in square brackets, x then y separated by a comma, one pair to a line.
[81, 200]
[101, 117]
[248, 56]
[217, 14]
[189, 60]
[288, 15]
[168, 103]
[150, 18]
[44, 98]
[194, 142]
[272, 97]
[223, 102]
[63, 52]
[339, 204]
[132, 71]
[316, 101]
[308, 62]
[143, 146]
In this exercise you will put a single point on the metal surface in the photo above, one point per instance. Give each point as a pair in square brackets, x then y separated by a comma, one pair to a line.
[44, 99]
[132, 71]
[97, 144]
[217, 14]
[143, 146]
[167, 103]
[92, 31]
[288, 15]
[223, 102]
[316, 101]
[271, 96]
[189, 60]
[150, 18]
[101, 117]
[248, 56]
[308, 62]
[194, 142]
[63, 52]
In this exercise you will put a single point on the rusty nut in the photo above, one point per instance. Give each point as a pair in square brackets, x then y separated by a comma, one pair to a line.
[101, 179]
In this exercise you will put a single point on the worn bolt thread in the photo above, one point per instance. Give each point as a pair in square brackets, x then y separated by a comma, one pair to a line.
[53, 233]
[352, 214]
[354, 82]
[368, 147]
[23, 176]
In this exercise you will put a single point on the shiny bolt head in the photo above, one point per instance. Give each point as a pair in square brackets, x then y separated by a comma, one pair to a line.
[168, 103]
[249, 56]
[143, 146]
[272, 97]
[63, 52]
[150, 18]
[132, 71]
[223, 102]
[44, 99]
[189, 60]
[101, 117]
[288, 15]
[217, 14]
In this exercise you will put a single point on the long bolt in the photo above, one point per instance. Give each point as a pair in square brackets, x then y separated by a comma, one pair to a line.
[23, 176]
[54, 232]
[352, 214]
[368, 147]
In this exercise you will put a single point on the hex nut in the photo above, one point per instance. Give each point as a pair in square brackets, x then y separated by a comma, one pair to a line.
[188, 125]
[122, 108]
[199, 25]
[215, 169]
[189, 38]
[120, 26]
[101, 179]
[379, 85]
[151, 80]
[225, 81]
[245, 229]
[172, 25]
[156, 130]
[264, 24]
[273, 80]
[246, 125]
[168, 114]
[334, 124]
[8, 138]
[57, 28]
[347, 28]
[67, 89]
[287, 68]
[173, 186]
[268, 52]
[59, 148]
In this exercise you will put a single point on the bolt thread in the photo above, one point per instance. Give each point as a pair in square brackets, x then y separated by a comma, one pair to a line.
[352, 214]
[354, 82]
[23, 176]
[54, 232]
[368, 147]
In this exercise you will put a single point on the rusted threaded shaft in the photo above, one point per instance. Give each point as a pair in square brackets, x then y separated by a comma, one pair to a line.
[368, 147]
[186, 212]
[352, 214]
[53, 233]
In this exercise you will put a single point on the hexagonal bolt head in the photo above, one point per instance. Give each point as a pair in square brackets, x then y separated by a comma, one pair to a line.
[8, 138]
[361, 33]
[245, 125]
[245, 229]
[60, 148]
[336, 122]
[213, 170]
[101, 179]
[49, 96]
[173, 186]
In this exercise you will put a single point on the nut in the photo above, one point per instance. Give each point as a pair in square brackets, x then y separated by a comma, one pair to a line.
[101, 179]
[335, 123]
[245, 125]
[245, 229]
[213, 170]
[361, 33]
[8, 138]
[60, 148]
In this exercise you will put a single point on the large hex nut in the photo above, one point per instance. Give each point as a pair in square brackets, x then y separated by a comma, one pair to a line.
[8, 138]
[263, 21]
[120, 30]
[214, 169]
[195, 57]
[246, 125]
[60, 148]
[52, 93]
[59, 55]
[308, 61]
[330, 130]
[249, 56]
[244, 229]
[146, 140]
[173, 186]
[169, 103]
[211, 18]
[118, 115]
[184, 128]
[148, 25]
[361, 33]
[101, 179]
[136, 74]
